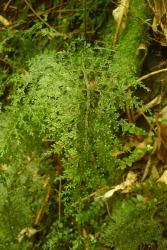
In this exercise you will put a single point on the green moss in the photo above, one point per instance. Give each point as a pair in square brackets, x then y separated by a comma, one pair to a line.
[70, 131]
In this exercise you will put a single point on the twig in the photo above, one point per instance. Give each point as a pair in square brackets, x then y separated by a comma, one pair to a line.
[107, 207]
[59, 201]
[130, 111]
[42, 207]
[12, 66]
[151, 74]
[60, 15]
[36, 14]
[156, 101]
[146, 170]
[7, 62]
[6, 5]
[85, 19]
[87, 106]
[41, 13]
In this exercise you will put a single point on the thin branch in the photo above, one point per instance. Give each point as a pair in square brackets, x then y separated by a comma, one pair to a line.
[12, 66]
[59, 199]
[156, 101]
[7, 5]
[151, 74]
[87, 105]
[43, 205]
[36, 14]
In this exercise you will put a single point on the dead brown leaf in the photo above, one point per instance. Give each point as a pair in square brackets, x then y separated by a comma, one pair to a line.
[4, 21]
[124, 187]
[27, 232]
[162, 135]
[120, 16]
[3, 167]
[163, 178]
[160, 18]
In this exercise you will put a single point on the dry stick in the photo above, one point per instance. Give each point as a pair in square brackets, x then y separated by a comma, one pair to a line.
[7, 5]
[7, 62]
[130, 111]
[41, 13]
[12, 66]
[146, 170]
[165, 6]
[107, 207]
[42, 207]
[59, 201]
[151, 74]
[159, 98]
[156, 101]
[60, 15]
[87, 105]
[36, 14]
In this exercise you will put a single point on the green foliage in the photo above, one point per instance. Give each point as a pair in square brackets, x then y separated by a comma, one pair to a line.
[54, 111]
[137, 222]
[63, 119]
[132, 223]
[18, 187]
